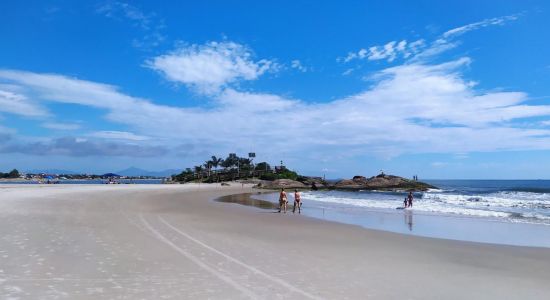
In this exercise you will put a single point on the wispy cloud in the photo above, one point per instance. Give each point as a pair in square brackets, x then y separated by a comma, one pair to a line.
[149, 23]
[388, 52]
[61, 126]
[119, 135]
[420, 49]
[120, 10]
[477, 25]
[209, 67]
[18, 104]
[297, 64]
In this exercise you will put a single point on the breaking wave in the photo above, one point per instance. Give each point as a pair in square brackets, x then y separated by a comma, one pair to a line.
[515, 206]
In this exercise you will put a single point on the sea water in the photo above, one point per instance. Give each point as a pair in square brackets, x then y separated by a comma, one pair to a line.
[512, 212]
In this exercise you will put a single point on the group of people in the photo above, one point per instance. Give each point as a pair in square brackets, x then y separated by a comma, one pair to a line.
[408, 202]
[283, 201]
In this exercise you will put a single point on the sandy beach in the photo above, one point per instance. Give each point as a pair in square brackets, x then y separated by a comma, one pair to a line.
[174, 242]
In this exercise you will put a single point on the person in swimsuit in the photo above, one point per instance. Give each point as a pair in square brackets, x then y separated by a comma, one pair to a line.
[297, 202]
[282, 200]
[410, 198]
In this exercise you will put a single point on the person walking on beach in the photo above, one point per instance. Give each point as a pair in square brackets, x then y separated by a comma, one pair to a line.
[297, 202]
[410, 199]
[283, 200]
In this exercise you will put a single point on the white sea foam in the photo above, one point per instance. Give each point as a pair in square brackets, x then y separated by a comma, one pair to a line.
[498, 199]
[521, 206]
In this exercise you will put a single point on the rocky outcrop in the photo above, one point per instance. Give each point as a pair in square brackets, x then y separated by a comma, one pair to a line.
[381, 182]
[313, 182]
[282, 183]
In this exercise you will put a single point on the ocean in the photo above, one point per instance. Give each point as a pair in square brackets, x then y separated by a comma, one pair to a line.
[512, 212]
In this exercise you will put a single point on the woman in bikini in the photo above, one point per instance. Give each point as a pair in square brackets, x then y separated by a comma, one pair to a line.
[282, 200]
[297, 202]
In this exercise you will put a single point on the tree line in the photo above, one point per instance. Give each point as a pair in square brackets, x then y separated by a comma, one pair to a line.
[233, 167]
[12, 174]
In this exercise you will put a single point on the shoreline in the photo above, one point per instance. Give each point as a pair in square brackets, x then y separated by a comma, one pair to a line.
[532, 235]
[173, 241]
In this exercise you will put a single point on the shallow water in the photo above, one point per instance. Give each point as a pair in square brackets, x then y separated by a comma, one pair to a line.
[246, 199]
[410, 221]
[501, 212]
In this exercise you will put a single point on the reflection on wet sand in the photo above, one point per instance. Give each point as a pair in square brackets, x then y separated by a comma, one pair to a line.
[245, 199]
[409, 218]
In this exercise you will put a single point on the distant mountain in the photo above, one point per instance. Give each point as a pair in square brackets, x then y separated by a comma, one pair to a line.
[132, 171]
[52, 171]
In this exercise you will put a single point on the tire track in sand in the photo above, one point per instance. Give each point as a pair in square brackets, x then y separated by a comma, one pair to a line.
[240, 263]
[197, 261]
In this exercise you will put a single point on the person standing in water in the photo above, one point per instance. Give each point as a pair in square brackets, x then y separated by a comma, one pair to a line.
[297, 202]
[282, 200]
[410, 199]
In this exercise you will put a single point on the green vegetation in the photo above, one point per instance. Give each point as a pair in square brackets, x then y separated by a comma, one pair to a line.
[12, 174]
[283, 174]
[233, 167]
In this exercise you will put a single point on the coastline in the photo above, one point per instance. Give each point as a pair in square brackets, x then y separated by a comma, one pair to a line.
[419, 223]
[173, 241]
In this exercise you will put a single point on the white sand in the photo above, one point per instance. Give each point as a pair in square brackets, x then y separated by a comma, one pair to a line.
[171, 242]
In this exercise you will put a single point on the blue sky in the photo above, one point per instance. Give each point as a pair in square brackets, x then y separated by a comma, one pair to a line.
[442, 90]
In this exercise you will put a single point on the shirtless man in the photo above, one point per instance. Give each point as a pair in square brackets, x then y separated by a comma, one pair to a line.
[297, 202]
[282, 200]
[410, 199]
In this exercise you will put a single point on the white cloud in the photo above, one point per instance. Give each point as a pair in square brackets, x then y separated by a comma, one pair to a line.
[255, 102]
[413, 108]
[418, 50]
[389, 52]
[18, 104]
[118, 135]
[348, 71]
[150, 24]
[477, 25]
[210, 67]
[61, 126]
[118, 9]
[296, 64]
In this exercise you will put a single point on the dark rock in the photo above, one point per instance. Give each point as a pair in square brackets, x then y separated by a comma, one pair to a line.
[283, 183]
[358, 178]
[381, 182]
[310, 180]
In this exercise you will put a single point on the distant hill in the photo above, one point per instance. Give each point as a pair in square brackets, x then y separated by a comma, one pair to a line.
[52, 171]
[133, 171]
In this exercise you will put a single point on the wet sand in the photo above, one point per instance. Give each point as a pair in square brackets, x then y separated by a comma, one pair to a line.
[174, 242]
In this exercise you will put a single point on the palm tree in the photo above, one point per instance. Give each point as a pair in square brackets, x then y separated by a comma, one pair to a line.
[198, 170]
[208, 165]
[216, 161]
